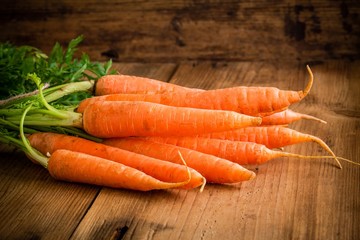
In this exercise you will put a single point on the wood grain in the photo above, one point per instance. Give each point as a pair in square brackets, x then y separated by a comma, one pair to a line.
[34, 206]
[174, 31]
[158, 71]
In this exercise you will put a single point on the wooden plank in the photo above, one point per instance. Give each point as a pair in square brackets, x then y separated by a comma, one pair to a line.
[158, 71]
[180, 30]
[289, 198]
[34, 206]
[213, 75]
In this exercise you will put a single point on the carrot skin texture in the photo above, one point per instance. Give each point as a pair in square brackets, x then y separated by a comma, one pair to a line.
[122, 118]
[50, 142]
[253, 101]
[242, 153]
[214, 169]
[114, 84]
[270, 136]
[83, 168]
[286, 117]
[266, 135]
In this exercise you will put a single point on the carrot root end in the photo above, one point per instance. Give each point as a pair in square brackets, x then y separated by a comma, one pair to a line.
[310, 83]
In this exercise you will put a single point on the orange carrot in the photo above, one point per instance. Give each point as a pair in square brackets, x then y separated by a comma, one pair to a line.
[79, 167]
[236, 151]
[286, 117]
[83, 168]
[254, 101]
[161, 170]
[118, 119]
[214, 169]
[111, 84]
[271, 137]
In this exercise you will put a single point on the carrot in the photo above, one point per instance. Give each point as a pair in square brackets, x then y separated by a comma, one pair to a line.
[236, 151]
[118, 119]
[254, 101]
[79, 167]
[286, 117]
[83, 168]
[271, 137]
[164, 171]
[111, 84]
[214, 169]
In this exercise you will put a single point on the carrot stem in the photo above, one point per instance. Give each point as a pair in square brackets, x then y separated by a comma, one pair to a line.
[73, 119]
[15, 127]
[13, 141]
[30, 151]
[43, 101]
[21, 97]
[70, 88]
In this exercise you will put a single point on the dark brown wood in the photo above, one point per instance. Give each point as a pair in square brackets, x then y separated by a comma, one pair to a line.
[157, 71]
[34, 206]
[173, 31]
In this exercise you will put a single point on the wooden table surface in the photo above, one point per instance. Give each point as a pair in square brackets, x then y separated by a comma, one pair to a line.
[289, 198]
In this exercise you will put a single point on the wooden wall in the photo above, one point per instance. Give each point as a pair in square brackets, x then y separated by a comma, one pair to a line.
[173, 31]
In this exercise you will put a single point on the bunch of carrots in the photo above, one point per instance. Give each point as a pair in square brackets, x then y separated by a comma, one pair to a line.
[144, 134]
[137, 133]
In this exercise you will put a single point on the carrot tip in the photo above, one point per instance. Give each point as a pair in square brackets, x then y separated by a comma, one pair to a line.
[253, 175]
[310, 83]
[184, 162]
[339, 164]
[309, 117]
[326, 147]
[203, 185]
[349, 161]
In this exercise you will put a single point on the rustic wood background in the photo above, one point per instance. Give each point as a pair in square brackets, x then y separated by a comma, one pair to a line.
[205, 44]
[173, 31]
